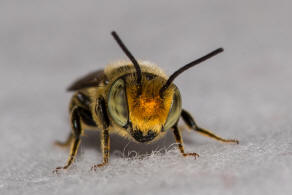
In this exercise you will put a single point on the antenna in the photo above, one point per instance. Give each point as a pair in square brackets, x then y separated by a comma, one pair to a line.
[130, 56]
[189, 65]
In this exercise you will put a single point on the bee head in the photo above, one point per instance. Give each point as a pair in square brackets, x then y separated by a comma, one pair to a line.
[145, 104]
[149, 112]
[142, 110]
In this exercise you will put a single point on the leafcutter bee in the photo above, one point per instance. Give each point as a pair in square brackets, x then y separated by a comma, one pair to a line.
[134, 99]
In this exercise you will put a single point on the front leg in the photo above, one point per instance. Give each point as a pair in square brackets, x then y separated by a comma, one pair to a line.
[179, 140]
[105, 139]
[105, 148]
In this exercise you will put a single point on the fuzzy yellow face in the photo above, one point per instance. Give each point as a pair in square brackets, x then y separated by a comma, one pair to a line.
[148, 111]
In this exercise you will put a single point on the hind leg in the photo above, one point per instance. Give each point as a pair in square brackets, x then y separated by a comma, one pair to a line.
[65, 143]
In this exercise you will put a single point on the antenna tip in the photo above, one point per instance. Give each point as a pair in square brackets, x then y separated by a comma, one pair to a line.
[113, 33]
[220, 49]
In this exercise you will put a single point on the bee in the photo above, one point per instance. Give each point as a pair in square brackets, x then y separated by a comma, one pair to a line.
[134, 99]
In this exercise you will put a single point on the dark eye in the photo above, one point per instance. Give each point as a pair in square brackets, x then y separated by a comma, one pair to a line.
[117, 103]
[175, 110]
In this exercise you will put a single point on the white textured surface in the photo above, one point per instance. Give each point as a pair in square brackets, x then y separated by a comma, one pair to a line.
[244, 93]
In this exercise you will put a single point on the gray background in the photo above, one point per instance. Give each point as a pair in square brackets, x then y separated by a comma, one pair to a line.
[244, 93]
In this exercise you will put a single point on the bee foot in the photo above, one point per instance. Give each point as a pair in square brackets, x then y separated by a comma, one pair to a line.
[94, 167]
[57, 170]
[191, 154]
[61, 144]
[235, 141]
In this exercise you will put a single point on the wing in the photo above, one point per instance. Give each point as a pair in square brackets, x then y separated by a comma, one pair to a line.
[90, 80]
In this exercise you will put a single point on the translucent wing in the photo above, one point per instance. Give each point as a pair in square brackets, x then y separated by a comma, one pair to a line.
[90, 80]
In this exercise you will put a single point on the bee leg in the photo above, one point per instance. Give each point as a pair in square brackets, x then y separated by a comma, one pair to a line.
[77, 130]
[65, 143]
[105, 138]
[105, 147]
[193, 125]
[179, 140]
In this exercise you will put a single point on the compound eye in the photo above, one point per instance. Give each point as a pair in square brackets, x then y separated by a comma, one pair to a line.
[117, 103]
[175, 110]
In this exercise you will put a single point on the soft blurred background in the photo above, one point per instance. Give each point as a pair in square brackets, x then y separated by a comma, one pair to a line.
[244, 93]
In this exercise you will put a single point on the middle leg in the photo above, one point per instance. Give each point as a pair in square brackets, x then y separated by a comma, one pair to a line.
[76, 131]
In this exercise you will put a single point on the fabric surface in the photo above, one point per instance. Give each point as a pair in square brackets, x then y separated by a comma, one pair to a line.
[243, 93]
